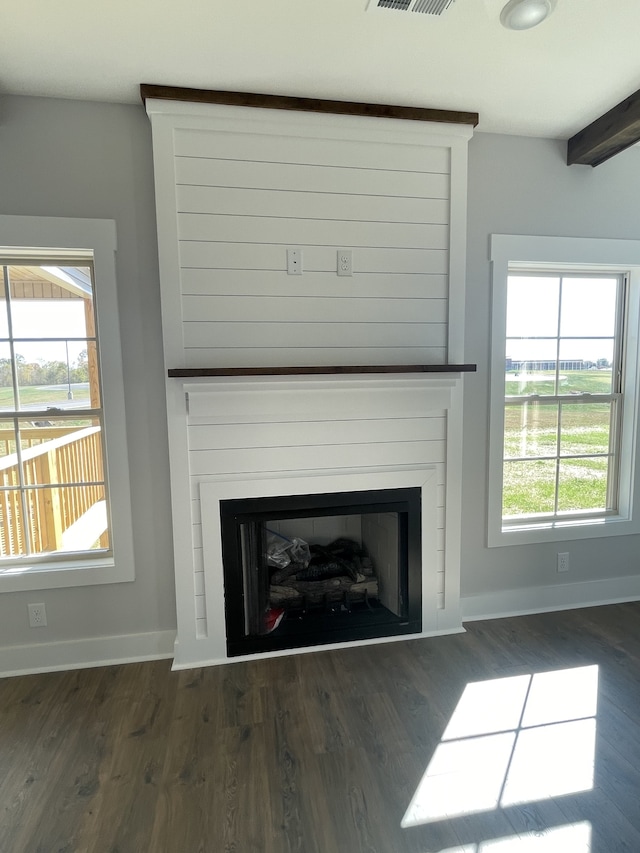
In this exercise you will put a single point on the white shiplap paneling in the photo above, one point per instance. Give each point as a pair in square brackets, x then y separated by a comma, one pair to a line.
[285, 231]
[323, 355]
[233, 201]
[345, 178]
[310, 334]
[316, 309]
[204, 436]
[239, 283]
[274, 142]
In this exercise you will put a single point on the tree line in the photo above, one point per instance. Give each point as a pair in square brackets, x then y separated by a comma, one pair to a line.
[46, 372]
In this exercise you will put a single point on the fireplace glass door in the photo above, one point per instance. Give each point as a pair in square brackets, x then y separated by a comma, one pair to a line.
[311, 569]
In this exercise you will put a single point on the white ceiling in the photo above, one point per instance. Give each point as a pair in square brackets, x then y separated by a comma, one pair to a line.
[550, 81]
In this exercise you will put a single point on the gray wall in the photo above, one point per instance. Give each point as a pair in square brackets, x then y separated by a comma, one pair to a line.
[76, 159]
[523, 186]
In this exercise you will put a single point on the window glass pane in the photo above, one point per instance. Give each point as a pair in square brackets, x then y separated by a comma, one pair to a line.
[532, 306]
[49, 301]
[586, 429]
[531, 367]
[529, 488]
[579, 360]
[582, 484]
[588, 307]
[62, 451]
[12, 536]
[9, 475]
[69, 518]
[53, 374]
[7, 398]
[530, 429]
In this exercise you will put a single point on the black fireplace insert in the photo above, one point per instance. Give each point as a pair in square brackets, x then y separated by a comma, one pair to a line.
[302, 570]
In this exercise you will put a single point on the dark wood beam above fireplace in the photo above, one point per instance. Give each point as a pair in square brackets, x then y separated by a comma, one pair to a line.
[313, 105]
[608, 135]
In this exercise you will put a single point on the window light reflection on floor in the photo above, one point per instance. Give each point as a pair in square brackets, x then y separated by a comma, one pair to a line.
[511, 741]
[574, 838]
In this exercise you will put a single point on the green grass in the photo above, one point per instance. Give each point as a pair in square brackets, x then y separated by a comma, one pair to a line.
[571, 381]
[35, 396]
[529, 487]
[529, 484]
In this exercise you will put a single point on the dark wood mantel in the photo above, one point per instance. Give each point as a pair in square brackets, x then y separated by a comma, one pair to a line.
[194, 372]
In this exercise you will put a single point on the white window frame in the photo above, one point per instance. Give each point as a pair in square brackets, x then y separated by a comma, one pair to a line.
[98, 236]
[570, 254]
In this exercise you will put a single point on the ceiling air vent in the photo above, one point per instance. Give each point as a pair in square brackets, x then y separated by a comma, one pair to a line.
[427, 7]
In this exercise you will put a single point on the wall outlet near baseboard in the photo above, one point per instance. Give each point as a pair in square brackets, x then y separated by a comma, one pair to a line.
[563, 561]
[37, 615]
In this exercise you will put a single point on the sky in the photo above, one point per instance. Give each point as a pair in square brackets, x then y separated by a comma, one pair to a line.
[46, 318]
[586, 316]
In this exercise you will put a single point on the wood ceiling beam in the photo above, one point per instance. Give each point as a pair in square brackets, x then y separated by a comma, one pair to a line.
[314, 105]
[608, 135]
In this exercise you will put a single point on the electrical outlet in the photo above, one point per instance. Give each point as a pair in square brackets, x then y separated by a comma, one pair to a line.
[344, 262]
[294, 261]
[563, 561]
[37, 615]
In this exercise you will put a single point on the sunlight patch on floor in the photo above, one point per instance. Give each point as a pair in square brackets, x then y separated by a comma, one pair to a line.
[574, 838]
[512, 741]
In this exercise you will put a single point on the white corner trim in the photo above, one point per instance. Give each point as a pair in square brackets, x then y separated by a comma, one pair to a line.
[85, 653]
[544, 599]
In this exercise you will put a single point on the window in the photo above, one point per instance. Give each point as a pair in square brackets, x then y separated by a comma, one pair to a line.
[63, 460]
[563, 417]
[563, 395]
[53, 498]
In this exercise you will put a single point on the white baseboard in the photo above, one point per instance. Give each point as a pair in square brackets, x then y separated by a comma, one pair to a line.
[543, 599]
[85, 653]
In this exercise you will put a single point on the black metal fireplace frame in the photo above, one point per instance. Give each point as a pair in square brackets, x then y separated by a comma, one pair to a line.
[405, 502]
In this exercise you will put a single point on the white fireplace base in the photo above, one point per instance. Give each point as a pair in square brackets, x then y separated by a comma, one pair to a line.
[283, 436]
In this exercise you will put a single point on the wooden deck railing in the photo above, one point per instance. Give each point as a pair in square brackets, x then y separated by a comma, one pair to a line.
[51, 457]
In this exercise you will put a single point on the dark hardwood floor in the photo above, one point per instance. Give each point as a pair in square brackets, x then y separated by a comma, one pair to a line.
[326, 753]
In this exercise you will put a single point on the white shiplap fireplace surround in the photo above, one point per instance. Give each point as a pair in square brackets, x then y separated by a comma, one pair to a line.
[236, 187]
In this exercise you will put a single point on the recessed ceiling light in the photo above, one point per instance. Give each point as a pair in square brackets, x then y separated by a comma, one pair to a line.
[525, 14]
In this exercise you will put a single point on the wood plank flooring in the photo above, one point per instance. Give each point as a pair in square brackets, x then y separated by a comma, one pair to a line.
[323, 753]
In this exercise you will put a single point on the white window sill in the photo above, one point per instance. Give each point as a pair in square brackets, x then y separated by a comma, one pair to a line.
[535, 532]
[80, 572]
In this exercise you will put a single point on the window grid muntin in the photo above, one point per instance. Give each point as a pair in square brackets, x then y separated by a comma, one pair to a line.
[615, 398]
[31, 258]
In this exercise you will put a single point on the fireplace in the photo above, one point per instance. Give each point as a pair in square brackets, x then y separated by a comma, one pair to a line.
[403, 585]
[312, 569]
